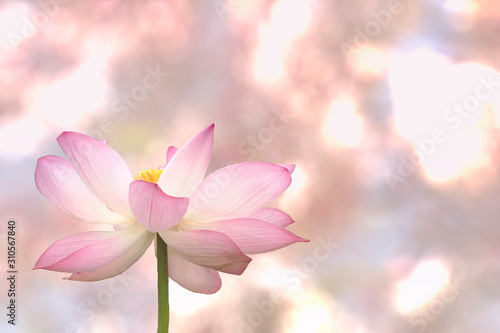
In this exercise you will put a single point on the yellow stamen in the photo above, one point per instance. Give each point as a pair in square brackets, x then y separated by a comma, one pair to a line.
[150, 175]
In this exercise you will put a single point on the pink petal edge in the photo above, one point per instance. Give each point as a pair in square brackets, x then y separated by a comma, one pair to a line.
[154, 209]
[100, 167]
[187, 167]
[85, 252]
[250, 235]
[171, 151]
[238, 190]
[209, 249]
[193, 277]
[59, 182]
[274, 216]
[289, 167]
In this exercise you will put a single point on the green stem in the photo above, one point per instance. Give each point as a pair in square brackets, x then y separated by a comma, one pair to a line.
[163, 307]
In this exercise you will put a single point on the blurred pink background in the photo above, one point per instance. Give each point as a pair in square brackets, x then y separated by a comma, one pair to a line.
[389, 109]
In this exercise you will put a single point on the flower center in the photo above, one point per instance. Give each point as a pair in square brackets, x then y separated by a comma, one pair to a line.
[150, 175]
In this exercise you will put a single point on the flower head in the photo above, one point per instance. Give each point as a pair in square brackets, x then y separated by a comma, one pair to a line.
[209, 224]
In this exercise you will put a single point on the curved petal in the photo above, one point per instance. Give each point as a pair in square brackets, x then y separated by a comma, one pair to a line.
[207, 248]
[59, 182]
[187, 167]
[170, 153]
[119, 265]
[154, 209]
[101, 168]
[193, 277]
[289, 167]
[252, 236]
[274, 216]
[238, 190]
[88, 251]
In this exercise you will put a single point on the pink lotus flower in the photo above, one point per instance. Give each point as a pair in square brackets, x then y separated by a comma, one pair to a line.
[209, 225]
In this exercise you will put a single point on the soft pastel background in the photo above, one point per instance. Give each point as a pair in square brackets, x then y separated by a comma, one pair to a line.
[390, 109]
